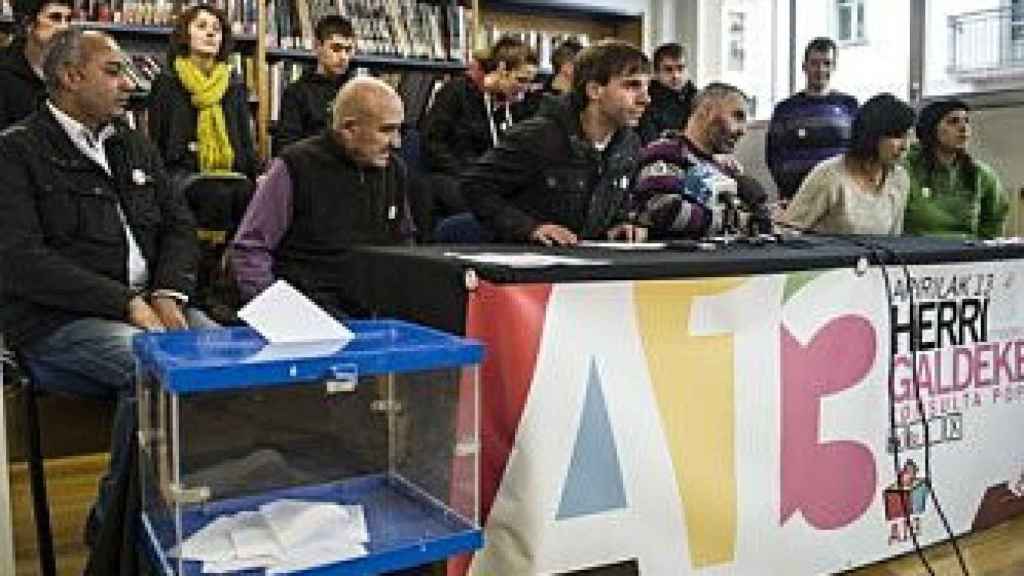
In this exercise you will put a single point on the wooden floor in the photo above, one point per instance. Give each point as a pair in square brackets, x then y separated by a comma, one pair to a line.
[72, 486]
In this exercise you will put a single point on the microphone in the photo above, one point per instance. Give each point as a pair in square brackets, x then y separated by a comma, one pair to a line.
[755, 199]
[750, 191]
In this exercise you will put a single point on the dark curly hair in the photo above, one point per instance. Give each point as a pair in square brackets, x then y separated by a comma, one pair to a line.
[179, 41]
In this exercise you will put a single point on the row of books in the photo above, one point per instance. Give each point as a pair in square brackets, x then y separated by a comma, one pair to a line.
[416, 87]
[434, 29]
[437, 30]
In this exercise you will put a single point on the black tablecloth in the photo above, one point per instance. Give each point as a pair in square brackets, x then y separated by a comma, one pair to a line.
[428, 284]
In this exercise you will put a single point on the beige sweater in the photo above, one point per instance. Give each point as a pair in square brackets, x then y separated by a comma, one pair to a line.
[830, 200]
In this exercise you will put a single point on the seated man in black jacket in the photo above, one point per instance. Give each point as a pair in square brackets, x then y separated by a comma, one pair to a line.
[325, 194]
[21, 63]
[471, 113]
[306, 103]
[565, 174]
[96, 245]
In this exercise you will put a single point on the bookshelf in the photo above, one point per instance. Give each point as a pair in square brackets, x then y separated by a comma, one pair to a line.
[421, 40]
[424, 37]
[542, 23]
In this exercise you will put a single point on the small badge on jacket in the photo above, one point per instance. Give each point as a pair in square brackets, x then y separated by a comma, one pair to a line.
[139, 177]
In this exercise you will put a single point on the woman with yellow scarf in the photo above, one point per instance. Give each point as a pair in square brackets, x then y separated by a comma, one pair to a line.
[199, 115]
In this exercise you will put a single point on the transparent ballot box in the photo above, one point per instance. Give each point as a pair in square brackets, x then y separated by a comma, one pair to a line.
[310, 458]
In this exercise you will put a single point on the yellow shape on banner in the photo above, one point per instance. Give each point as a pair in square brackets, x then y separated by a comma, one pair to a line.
[693, 382]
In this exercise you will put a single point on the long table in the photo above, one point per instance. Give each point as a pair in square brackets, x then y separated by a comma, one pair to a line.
[730, 410]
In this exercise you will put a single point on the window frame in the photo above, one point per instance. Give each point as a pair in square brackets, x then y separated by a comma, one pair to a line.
[858, 22]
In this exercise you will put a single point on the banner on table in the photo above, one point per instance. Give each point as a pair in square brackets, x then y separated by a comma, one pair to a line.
[742, 425]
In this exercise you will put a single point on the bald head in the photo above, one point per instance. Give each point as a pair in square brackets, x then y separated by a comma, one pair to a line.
[368, 118]
[719, 118]
[364, 96]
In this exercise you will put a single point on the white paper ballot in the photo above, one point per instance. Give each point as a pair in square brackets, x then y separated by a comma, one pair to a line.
[295, 521]
[627, 246]
[239, 564]
[282, 536]
[527, 259]
[211, 543]
[252, 537]
[282, 314]
[316, 554]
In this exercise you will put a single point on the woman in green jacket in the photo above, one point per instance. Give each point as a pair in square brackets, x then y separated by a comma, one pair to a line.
[951, 193]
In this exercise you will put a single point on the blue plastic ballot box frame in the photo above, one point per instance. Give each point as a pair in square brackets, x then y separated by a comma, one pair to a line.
[406, 396]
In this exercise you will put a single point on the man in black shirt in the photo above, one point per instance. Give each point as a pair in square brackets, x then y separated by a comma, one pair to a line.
[306, 104]
[672, 94]
[565, 174]
[21, 63]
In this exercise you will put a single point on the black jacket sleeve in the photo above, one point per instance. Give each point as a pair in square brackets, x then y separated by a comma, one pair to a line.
[648, 127]
[291, 126]
[502, 173]
[439, 129]
[33, 272]
[771, 143]
[245, 148]
[177, 258]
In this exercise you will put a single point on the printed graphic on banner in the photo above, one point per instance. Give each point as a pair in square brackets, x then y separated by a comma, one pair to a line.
[742, 425]
[696, 408]
[905, 501]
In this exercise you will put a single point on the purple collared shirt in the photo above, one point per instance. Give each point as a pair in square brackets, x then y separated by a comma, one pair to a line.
[266, 221]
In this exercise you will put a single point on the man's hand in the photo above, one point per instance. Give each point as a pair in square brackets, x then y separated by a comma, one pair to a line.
[553, 235]
[729, 162]
[628, 232]
[169, 311]
[140, 314]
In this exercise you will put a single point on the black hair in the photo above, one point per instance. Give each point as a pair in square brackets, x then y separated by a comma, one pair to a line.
[27, 11]
[564, 54]
[179, 41]
[882, 116]
[334, 24]
[928, 120]
[603, 61]
[671, 50]
[821, 44]
[509, 50]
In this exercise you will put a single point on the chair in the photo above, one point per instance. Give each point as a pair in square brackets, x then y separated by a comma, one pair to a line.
[34, 456]
[218, 202]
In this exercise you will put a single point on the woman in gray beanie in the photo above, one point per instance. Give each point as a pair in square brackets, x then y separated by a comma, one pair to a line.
[951, 193]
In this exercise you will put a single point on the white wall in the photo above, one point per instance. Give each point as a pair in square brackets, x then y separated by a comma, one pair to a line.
[881, 64]
[996, 141]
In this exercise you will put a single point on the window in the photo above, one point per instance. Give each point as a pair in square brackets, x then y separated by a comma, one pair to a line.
[1017, 20]
[736, 33]
[850, 21]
